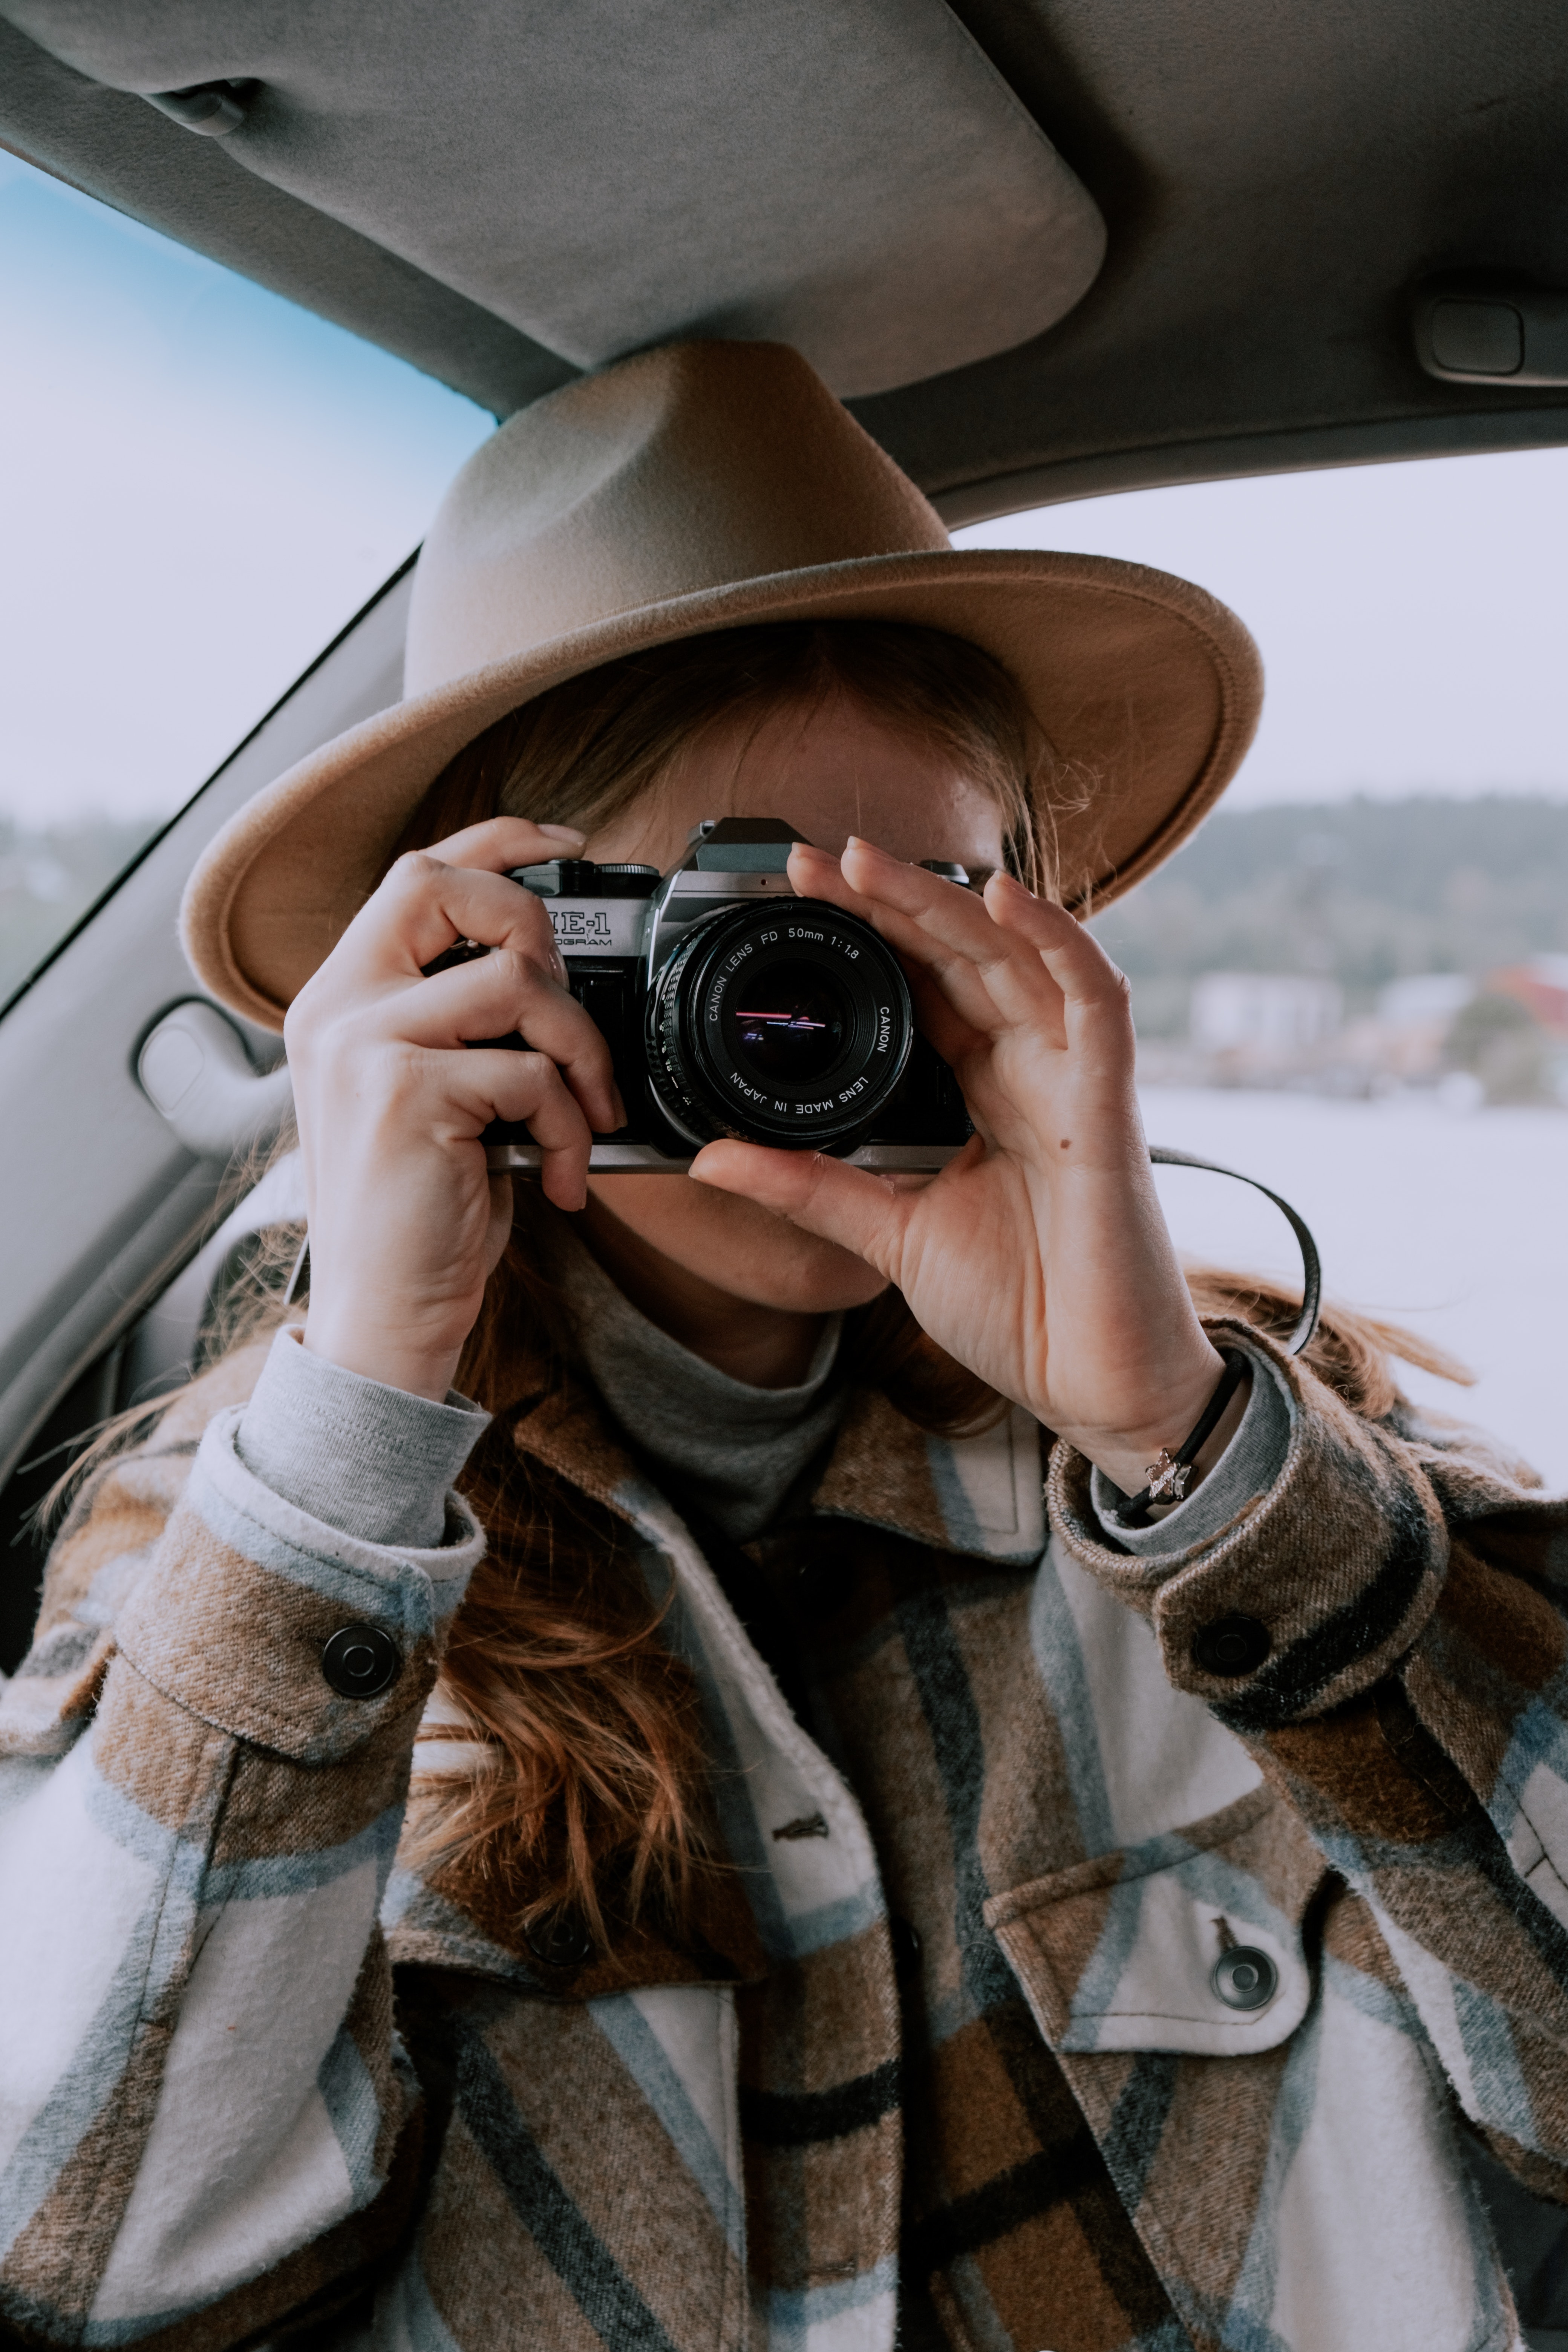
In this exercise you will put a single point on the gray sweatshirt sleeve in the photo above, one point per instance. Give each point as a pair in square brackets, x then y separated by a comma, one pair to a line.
[370, 1461]
[1248, 1468]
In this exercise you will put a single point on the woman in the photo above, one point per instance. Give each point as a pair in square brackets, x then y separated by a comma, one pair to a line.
[833, 1904]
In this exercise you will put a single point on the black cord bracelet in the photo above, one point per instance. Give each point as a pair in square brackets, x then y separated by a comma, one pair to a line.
[1168, 1476]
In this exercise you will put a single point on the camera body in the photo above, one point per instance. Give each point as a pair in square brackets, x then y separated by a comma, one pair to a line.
[732, 1007]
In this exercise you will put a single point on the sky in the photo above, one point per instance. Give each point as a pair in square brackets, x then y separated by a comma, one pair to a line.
[200, 483]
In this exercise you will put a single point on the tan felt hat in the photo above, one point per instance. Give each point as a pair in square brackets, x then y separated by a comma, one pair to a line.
[702, 487]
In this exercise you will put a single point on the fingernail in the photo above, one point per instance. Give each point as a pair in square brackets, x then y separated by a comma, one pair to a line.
[563, 833]
[557, 964]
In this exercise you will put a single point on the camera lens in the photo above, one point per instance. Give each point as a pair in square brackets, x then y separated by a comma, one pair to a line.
[791, 1025]
[788, 1023]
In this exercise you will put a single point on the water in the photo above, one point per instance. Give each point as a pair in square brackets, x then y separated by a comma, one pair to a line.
[1457, 1226]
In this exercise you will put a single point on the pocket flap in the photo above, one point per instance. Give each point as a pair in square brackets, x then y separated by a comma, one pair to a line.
[1124, 1952]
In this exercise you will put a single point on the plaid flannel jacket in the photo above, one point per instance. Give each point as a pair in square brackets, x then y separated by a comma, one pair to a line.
[253, 2073]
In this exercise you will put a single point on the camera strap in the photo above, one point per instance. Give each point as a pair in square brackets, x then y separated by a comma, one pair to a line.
[1161, 1156]
[1311, 1266]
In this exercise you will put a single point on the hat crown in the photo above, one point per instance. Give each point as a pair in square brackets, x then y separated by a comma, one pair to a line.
[683, 469]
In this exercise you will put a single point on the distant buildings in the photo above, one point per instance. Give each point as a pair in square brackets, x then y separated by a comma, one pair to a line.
[1503, 1039]
[1444, 922]
[1426, 997]
[1275, 1015]
[1406, 1040]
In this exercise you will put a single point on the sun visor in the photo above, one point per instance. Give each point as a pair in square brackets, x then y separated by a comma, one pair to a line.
[849, 176]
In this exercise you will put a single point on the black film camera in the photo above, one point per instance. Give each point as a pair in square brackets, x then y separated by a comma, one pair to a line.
[732, 1007]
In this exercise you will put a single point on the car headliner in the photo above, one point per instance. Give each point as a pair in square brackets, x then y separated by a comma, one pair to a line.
[1275, 181]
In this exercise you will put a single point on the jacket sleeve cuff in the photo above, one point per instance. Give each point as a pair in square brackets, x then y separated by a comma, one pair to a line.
[1310, 1591]
[1246, 1469]
[234, 1617]
[367, 1459]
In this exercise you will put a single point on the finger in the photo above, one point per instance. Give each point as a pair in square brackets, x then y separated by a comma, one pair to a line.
[817, 875]
[502, 842]
[937, 927]
[939, 1019]
[527, 1089]
[1031, 957]
[860, 1212]
[1096, 999]
[424, 906]
[955, 1008]
[497, 994]
[1077, 962]
[942, 923]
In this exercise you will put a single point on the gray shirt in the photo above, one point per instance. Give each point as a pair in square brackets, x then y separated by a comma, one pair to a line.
[736, 1450]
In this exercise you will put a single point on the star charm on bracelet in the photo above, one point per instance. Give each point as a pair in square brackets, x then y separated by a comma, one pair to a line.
[1167, 1477]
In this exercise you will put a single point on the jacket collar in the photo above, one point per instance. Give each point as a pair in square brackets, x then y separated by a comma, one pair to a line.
[980, 1496]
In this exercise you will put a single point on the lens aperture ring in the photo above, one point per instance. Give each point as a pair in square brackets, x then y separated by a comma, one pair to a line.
[789, 1025]
[667, 1068]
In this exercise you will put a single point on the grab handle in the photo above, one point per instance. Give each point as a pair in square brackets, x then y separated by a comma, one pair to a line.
[194, 1068]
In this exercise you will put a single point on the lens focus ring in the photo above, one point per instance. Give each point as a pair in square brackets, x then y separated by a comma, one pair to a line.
[789, 1024]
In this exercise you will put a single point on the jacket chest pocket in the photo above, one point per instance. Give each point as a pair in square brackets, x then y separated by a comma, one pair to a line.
[1190, 1942]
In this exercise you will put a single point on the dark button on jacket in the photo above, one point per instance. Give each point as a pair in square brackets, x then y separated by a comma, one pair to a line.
[1231, 1646]
[1245, 1978]
[562, 1941]
[361, 1662]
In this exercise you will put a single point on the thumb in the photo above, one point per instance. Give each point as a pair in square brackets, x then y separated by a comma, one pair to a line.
[851, 1206]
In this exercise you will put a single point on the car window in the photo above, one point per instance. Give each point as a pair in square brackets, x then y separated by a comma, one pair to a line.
[1353, 983]
[200, 484]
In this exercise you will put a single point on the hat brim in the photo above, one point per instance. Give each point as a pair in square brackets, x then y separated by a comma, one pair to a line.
[1148, 688]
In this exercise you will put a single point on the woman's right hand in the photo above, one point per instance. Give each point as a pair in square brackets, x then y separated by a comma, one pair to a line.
[407, 1221]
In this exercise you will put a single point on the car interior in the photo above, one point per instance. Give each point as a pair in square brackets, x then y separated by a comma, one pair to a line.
[1044, 250]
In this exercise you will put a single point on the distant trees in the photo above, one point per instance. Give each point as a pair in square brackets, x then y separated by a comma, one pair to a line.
[1496, 1038]
[1362, 892]
[49, 876]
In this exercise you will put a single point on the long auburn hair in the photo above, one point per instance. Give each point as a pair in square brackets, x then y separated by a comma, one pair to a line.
[588, 1790]
[593, 1797]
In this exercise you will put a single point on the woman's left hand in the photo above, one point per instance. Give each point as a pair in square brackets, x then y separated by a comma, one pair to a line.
[1039, 1257]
